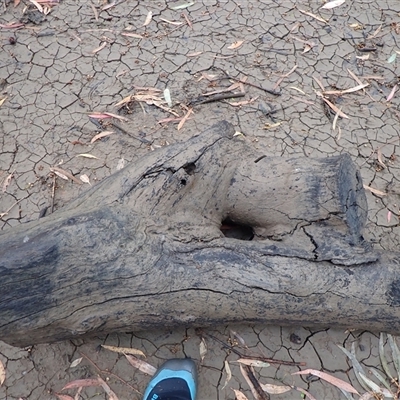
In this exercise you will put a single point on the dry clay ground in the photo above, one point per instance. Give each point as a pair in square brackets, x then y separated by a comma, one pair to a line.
[62, 62]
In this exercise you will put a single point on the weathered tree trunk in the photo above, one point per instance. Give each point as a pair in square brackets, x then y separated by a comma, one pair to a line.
[156, 245]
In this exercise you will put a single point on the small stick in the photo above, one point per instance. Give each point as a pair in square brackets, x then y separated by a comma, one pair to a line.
[211, 99]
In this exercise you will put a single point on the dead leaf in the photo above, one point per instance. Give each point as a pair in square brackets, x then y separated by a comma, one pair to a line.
[85, 179]
[356, 26]
[78, 394]
[380, 161]
[271, 126]
[274, 389]
[12, 25]
[253, 363]
[99, 116]
[167, 97]
[63, 396]
[120, 164]
[2, 101]
[148, 18]
[350, 90]
[134, 35]
[195, 54]
[319, 83]
[335, 122]
[86, 155]
[334, 108]
[284, 76]
[81, 383]
[101, 135]
[124, 350]
[228, 374]
[107, 389]
[390, 97]
[141, 365]
[313, 16]
[101, 47]
[176, 23]
[330, 379]
[332, 4]
[116, 116]
[304, 392]
[6, 183]
[182, 6]
[63, 174]
[339, 135]
[296, 88]
[374, 191]
[76, 362]
[37, 5]
[367, 396]
[203, 349]
[184, 119]
[108, 6]
[251, 380]
[236, 45]
[2, 373]
[232, 332]
[243, 103]
[295, 27]
[239, 395]
[375, 33]
[96, 14]
[187, 20]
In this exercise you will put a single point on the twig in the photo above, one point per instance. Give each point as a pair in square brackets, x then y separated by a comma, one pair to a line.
[218, 97]
[270, 91]
[257, 387]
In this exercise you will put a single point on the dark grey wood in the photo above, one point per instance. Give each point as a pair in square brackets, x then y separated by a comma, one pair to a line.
[144, 248]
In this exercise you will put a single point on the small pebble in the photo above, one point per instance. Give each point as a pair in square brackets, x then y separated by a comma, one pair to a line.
[295, 338]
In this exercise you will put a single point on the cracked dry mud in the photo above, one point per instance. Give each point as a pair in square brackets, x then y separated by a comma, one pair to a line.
[58, 68]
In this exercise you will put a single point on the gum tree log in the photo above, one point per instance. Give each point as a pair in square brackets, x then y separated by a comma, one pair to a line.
[201, 233]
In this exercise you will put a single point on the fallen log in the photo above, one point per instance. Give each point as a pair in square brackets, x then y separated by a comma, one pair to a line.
[200, 233]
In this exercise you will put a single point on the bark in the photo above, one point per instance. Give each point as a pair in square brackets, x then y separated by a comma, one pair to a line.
[201, 233]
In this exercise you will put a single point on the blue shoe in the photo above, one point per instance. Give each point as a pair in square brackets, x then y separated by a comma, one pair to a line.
[175, 380]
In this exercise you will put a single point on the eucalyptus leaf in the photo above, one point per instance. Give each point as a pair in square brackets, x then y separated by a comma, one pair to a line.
[392, 58]
[356, 365]
[395, 354]
[382, 357]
